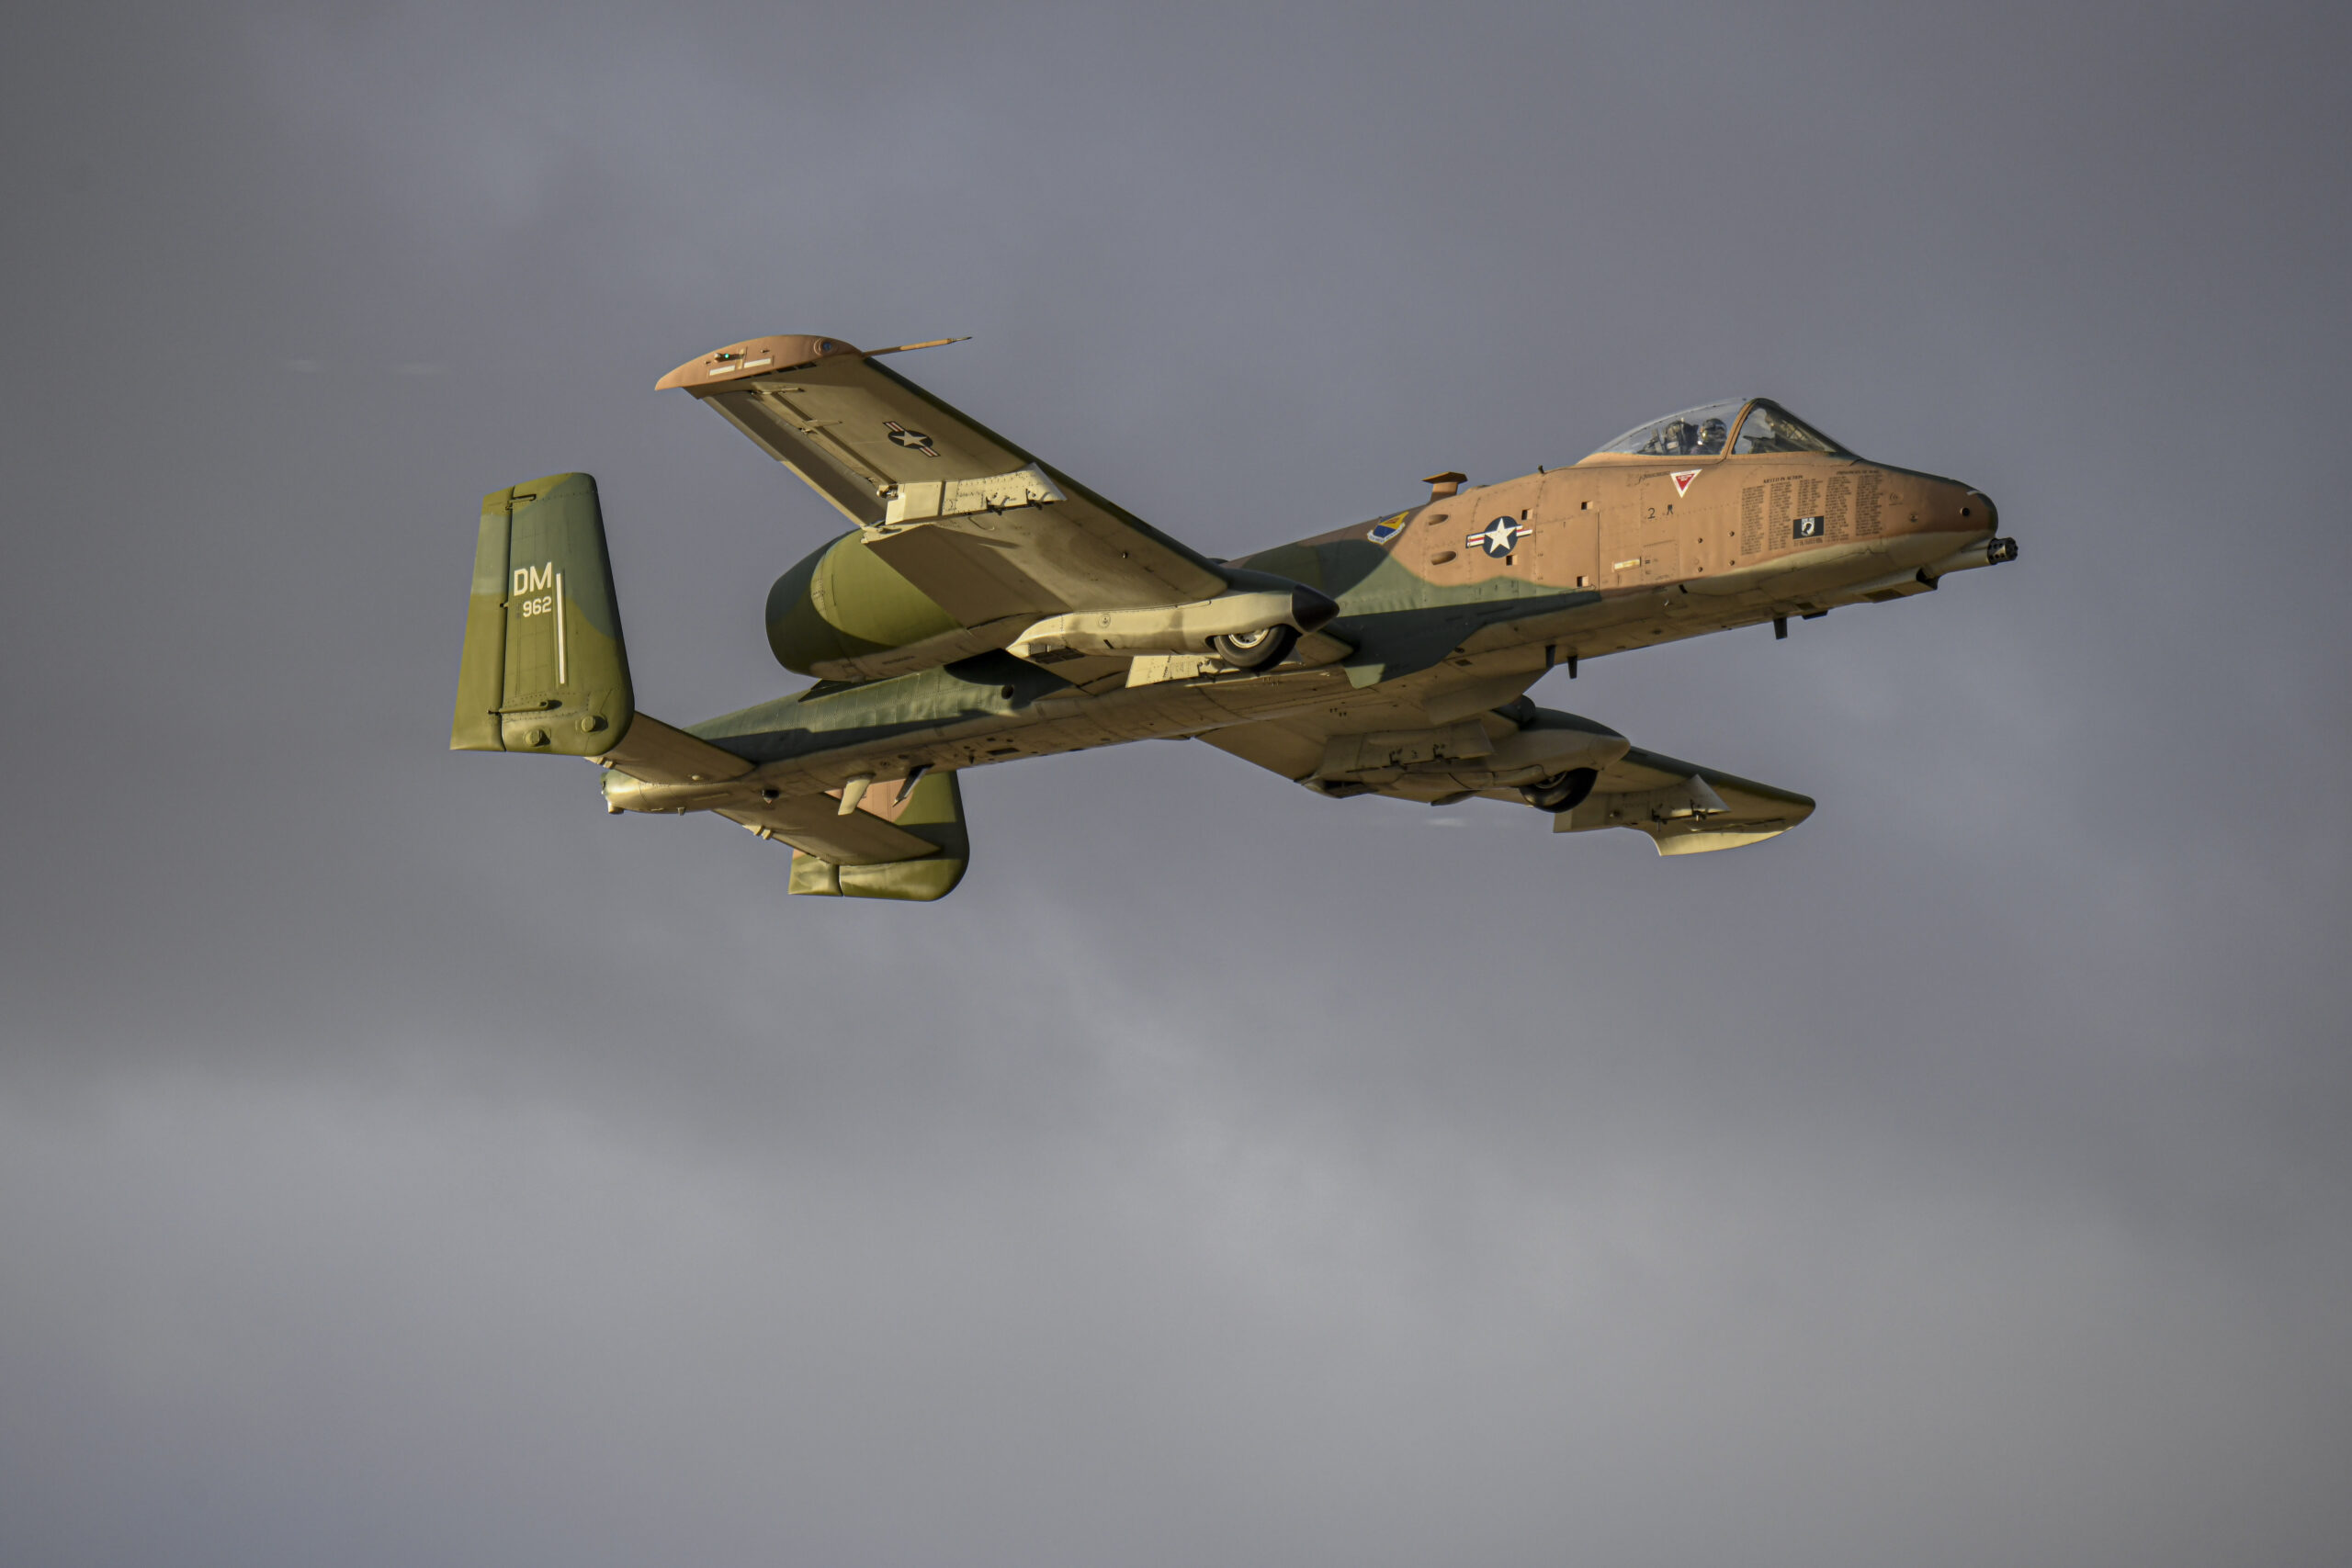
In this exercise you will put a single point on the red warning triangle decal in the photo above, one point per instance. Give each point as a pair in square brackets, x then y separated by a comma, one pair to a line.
[1682, 482]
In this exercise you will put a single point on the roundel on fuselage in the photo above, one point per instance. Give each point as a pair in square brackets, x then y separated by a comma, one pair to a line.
[845, 602]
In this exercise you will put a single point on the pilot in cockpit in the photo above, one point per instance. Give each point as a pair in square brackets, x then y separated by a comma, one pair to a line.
[1711, 435]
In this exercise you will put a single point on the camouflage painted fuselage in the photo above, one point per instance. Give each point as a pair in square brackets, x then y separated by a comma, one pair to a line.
[988, 607]
[1610, 555]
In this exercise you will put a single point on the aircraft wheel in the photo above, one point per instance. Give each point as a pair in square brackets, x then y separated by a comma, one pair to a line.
[1256, 650]
[1563, 793]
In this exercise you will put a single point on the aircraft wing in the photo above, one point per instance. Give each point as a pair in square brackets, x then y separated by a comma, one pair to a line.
[981, 526]
[1684, 807]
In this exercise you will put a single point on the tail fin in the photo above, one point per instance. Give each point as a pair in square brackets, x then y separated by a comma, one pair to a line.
[545, 668]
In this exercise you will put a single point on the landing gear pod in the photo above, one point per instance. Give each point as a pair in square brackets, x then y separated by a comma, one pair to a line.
[545, 668]
[1562, 792]
[1259, 650]
[1242, 628]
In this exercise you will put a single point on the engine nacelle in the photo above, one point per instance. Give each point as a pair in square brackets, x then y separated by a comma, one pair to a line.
[842, 605]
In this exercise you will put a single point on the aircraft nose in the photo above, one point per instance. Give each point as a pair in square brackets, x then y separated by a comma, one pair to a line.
[1977, 506]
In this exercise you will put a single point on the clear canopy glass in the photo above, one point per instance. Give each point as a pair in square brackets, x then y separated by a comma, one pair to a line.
[1768, 427]
[1693, 433]
[1704, 432]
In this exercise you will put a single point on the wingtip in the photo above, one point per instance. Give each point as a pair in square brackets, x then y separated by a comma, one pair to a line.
[788, 352]
[785, 352]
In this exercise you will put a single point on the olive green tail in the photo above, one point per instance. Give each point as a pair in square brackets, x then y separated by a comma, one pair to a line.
[932, 810]
[544, 666]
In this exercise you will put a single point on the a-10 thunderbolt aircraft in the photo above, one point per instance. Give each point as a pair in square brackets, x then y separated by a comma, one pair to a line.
[987, 606]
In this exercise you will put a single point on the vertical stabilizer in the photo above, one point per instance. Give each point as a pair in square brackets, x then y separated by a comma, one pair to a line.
[545, 668]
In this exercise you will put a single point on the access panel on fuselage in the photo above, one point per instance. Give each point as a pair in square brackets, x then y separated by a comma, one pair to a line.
[1625, 528]
[1566, 547]
[1706, 509]
[1674, 506]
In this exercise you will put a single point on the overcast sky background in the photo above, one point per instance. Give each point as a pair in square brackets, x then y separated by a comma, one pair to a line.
[400, 1162]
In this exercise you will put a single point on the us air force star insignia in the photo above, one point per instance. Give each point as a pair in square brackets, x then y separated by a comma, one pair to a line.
[1500, 536]
[1682, 482]
[914, 440]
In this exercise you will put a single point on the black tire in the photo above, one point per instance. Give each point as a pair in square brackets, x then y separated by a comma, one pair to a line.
[1561, 793]
[1256, 650]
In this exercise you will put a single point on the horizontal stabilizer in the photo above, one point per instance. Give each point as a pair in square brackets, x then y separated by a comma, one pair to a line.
[929, 818]
[890, 838]
[816, 825]
[659, 753]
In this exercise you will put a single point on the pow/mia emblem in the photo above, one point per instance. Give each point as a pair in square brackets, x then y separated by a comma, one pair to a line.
[1500, 536]
[1806, 527]
[913, 440]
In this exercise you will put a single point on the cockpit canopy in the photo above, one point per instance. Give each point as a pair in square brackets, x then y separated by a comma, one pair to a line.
[1744, 426]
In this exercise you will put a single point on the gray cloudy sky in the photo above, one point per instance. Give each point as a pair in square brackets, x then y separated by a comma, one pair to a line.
[400, 1162]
